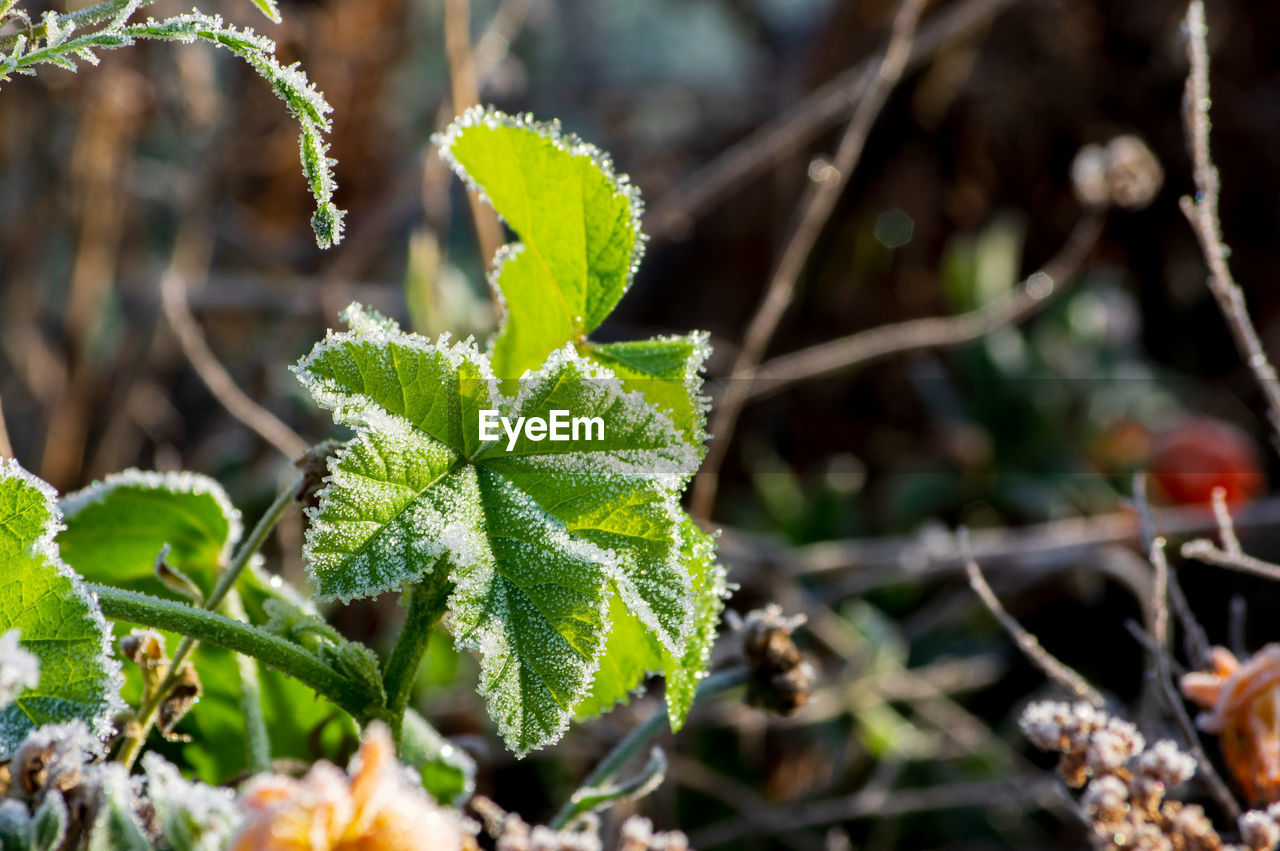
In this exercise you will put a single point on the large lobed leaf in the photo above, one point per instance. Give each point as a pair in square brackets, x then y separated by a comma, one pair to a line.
[536, 538]
[57, 619]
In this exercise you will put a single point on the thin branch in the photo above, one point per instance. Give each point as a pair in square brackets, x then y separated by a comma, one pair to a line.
[1194, 639]
[816, 207]
[464, 92]
[1055, 670]
[1011, 308]
[802, 123]
[1202, 213]
[6, 448]
[1226, 529]
[191, 252]
[1202, 549]
[1160, 594]
[1035, 789]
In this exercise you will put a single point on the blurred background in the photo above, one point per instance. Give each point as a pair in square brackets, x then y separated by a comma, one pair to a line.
[836, 493]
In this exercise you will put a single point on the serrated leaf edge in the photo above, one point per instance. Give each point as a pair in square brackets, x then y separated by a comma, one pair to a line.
[101, 724]
[570, 143]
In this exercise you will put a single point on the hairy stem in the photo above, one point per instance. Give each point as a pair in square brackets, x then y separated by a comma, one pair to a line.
[425, 605]
[257, 741]
[226, 581]
[87, 16]
[710, 688]
[220, 630]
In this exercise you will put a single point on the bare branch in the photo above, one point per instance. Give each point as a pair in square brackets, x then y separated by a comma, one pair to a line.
[190, 252]
[796, 127]
[1019, 304]
[1202, 549]
[6, 448]
[1202, 213]
[465, 92]
[815, 209]
[1226, 529]
[1055, 670]
[1160, 594]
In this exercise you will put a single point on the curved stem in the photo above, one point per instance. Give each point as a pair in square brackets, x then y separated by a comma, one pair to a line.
[269, 649]
[226, 581]
[425, 606]
[712, 687]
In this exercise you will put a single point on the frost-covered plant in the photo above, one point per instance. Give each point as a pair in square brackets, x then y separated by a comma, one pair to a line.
[65, 40]
[565, 560]
[1126, 783]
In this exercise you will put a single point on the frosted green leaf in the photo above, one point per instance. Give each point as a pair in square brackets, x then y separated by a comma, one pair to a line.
[668, 371]
[269, 8]
[57, 620]
[578, 224]
[536, 536]
[633, 652]
[685, 671]
[115, 529]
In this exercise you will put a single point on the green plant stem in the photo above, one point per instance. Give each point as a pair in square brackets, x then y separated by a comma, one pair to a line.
[710, 688]
[425, 606]
[257, 741]
[222, 631]
[87, 16]
[226, 581]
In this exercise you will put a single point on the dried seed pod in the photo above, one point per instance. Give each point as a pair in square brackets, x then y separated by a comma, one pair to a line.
[1124, 172]
[186, 691]
[781, 677]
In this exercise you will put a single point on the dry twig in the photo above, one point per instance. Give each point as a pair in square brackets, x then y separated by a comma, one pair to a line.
[1054, 669]
[6, 448]
[815, 209]
[465, 92]
[1202, 213]
[191, 252]
[796, 127]
[1019, 304]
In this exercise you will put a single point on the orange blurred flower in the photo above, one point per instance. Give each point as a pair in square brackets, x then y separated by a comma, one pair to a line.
[1242, 703]
[375, 806]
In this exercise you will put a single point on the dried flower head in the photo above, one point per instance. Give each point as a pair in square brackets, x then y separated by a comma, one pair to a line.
[373, 807]
[1091, 742]
[781, 676]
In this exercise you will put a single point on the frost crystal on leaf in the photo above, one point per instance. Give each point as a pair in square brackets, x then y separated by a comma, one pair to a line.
[58, 619]
[578, 222]
[536, 538]
[19, 669]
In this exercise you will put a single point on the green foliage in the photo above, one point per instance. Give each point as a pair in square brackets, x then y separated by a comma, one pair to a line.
[579, 225]
[66, 40]
[569, 565]
[535, 540]
[57, 620]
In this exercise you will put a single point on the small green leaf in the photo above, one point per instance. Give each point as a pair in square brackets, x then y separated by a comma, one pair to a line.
[448, 773]
[269, 8]
[578, 222]
[49, 824]
[57, 620]
[117, 527]
[188, 816]
[536, 536]
[668, 371]
[115, 827]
